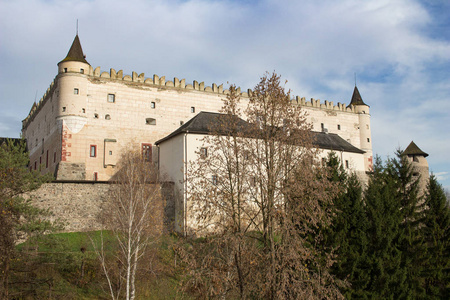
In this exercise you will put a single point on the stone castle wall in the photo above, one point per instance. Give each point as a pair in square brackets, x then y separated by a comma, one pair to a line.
[78, 204]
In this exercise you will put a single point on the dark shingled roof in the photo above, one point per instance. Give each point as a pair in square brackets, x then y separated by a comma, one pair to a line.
[76, 52]
[412, 149]
[201, 124]
[356, 98]
[332, 141]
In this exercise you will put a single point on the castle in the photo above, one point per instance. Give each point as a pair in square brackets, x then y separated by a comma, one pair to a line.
[87, 117]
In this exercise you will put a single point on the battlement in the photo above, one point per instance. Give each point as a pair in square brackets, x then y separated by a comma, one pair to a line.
[181, 84]
[37, 106]
[176, 83]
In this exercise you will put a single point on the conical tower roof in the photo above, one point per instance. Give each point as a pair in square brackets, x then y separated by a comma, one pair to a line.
[356, 98]
[412, 149]
[76, 52]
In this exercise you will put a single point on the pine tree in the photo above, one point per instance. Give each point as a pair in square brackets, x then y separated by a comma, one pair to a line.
[436, 232]
[348, 231]
[384, 259]
[410, 240]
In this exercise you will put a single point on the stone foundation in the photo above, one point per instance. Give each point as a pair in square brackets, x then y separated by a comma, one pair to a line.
[79, 203]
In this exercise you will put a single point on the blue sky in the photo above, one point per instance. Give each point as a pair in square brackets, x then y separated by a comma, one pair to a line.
[400, 51]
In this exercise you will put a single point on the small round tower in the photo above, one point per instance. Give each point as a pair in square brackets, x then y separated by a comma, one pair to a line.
[362, 109]
[72, 87]
[419, 163]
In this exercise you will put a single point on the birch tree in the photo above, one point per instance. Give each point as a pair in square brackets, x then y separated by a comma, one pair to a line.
[134, 213]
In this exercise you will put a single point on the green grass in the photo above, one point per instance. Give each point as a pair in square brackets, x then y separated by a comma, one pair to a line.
[58, 259]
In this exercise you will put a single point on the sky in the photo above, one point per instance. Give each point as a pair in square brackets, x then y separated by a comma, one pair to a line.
[398, 49]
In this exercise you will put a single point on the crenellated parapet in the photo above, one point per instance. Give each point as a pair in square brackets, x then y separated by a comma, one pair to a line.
[214, 88]
[37, 106]
[326, 105]
[162, 82]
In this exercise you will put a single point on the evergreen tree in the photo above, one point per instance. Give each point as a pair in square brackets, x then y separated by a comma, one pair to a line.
[410, 240]
[18, 218]
[348, 231]
[436, 232]
[384, 259]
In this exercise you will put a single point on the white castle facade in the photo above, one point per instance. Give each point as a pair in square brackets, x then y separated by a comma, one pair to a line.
[87, 117]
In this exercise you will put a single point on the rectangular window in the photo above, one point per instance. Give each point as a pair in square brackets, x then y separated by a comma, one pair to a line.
[64, 109]
[192, 109]
[111, 98]
[54, 157]
[150, 121]
[82, 71]
[46, 160]
[95, 176]
[203, 152]
[35, 165]
[214, 180]
[65, 70]
[339, 127]
[147, 152]
[93, 151]
[153, 105]
[76, 91]
[322, 126]
[368, 140]
[346, 164]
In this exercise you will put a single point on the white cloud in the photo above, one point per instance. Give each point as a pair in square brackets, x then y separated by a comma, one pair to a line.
[402, 67]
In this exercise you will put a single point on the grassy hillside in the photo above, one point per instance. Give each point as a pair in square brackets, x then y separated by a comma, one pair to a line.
[65, 266]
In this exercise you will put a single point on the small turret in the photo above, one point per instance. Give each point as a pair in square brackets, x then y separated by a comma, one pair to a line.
[362, 109]
[418, 160]
[75, 60]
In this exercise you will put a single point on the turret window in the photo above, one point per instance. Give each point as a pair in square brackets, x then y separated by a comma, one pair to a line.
[111, 98]
[82, 71]
[76, 91]
[368, 140]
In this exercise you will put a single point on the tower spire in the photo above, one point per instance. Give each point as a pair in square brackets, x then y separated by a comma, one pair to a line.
[76, 52]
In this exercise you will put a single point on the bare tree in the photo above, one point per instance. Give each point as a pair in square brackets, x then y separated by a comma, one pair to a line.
[134, 213]
[259, 196]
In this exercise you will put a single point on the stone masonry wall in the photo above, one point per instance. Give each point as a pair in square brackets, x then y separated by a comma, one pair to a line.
[79, 203]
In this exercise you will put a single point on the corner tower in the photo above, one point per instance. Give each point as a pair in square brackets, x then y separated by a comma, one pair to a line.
[362, 109]
[419, 163]
[72, 81]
